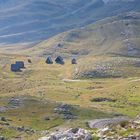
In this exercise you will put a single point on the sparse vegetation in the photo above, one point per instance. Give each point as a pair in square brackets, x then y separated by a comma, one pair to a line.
[40, 87]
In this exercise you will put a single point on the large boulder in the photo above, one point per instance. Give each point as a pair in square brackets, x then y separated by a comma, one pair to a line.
[29, 61]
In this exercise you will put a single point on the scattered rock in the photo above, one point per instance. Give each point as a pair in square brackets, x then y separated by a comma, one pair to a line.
[74, 130]
[118, 115]
[60, 45]
[102, 100]
[65, 111]
[44, 132]
[103, 123]
[27, 130]
[73, 61]
[63, 108]
[20, 129]
[2, 138]
[102, 132]
[3, 109]
[4, 123]
[71, 134]
[15, 102]
[129, 131]
[29, 61]
[3, 119]
[47, 118]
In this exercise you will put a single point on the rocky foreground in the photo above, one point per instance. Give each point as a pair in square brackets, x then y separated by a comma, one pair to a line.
[123, 130]
[71, 134]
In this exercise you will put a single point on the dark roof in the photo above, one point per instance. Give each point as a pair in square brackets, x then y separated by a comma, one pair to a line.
[49, 60]
[59, 60]
[15, 67]
[20, 64]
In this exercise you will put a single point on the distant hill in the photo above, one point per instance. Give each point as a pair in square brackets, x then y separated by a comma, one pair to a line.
[31, 21]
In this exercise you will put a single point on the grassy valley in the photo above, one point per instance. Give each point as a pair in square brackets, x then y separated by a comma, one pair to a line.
[40, 88]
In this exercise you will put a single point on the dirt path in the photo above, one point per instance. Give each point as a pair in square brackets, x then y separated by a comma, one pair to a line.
[71, 80]
[130, 80]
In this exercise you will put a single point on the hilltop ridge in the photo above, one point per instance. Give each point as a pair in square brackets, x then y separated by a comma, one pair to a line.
[31, 21]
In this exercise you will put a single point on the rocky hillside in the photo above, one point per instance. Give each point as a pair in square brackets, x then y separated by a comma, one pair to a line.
[96, 47]
[31, 21]
[119, 35]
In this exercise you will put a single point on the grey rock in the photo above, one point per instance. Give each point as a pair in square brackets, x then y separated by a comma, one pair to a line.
[2, 138]
[3, 119]
[71, 134]
[3, 109]
[20, 129]
[15, 102]
[64, 111]
[103, 123]
[47, 118]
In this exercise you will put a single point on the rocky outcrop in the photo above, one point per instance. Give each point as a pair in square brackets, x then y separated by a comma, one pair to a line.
[71, 134]
[2, 138]
[118, 128]
[103, 123]
[125, 130]
[65, 111]
[15, 102]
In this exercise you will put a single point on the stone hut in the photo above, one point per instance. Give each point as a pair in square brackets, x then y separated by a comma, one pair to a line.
[73, 61]
[59, 60]
[15, 68]
[49, 60]
[20, 64]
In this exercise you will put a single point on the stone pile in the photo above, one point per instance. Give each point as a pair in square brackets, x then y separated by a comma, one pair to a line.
[65, 111]
[71, 134]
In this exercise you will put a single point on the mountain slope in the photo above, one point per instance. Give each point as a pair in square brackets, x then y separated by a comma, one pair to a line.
[110, 48]
[118, 35]
[35, 20]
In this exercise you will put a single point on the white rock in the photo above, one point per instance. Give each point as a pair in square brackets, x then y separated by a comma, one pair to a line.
[69, 135]
[44, 138]
[88, 137]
